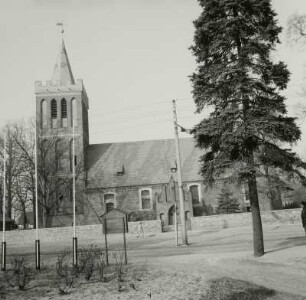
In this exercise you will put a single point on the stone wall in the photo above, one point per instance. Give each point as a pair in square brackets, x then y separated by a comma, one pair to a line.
[289, 216]
[91, 232]
[148, 227]
[54, 234]
[87, 232]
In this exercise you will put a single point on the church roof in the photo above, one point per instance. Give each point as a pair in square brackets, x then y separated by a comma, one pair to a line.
[62, 74]
[140, 163]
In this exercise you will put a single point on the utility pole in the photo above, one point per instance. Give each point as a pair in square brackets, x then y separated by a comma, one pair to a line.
[179, 178]
[175, 211]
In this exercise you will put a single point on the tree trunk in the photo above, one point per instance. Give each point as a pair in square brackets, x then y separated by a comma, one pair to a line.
[46, 214]
[258, 242]
[44, 217]
[34, 207]
[9, 197]
[25, 221]
[270, 189]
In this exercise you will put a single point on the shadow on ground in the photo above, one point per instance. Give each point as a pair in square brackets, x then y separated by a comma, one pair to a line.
[290, 243]
[232, 289]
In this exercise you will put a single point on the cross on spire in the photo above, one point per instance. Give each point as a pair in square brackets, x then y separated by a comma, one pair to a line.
[61, 24]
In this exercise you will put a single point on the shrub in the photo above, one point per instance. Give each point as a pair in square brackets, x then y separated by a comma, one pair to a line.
[87, 257]
[198, 211]
[19, 275]
[100, 256]
[119, 263]
[291, 205]
[66, 273]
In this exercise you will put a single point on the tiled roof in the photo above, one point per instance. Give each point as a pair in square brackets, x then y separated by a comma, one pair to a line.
[144, 162]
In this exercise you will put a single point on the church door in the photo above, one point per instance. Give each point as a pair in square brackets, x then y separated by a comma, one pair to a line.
[171, 215]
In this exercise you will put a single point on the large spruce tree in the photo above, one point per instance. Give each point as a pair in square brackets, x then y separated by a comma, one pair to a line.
[227, 203]
[237, 78]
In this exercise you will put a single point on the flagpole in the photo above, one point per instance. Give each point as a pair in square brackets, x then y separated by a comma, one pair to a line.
[3, 259]
[74, 239]
[37, 241]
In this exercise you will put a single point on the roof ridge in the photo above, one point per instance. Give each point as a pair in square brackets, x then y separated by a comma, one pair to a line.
[140, 141]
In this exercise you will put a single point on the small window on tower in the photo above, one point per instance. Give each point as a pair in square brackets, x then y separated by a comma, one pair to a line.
[53, 113]
[64, 112]
[43, 114]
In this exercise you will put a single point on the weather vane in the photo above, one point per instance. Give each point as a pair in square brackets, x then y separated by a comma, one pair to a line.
[62, 26]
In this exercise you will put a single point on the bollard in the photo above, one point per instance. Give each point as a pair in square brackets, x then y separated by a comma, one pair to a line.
[3, 258]
[37, 254]
[75, 251]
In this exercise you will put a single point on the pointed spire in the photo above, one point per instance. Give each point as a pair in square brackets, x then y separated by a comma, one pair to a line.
[62, 74]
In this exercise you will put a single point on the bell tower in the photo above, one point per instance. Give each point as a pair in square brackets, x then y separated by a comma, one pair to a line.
[61, 104]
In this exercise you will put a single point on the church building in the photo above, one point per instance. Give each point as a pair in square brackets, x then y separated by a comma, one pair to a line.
[137, 178]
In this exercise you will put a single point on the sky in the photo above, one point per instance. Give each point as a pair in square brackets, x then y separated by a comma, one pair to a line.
[132, 55]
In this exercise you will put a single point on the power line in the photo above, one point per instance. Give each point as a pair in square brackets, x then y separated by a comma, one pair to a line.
[134, 125]
[130, 108]
[188, 105]
[136, 116]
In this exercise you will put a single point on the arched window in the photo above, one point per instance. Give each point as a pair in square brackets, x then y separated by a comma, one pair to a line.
[53, 113]
[74, 113]
[64, 112]
[194, 193]
[171, 215]
[43, 114]
[146, 198]
[110, 201]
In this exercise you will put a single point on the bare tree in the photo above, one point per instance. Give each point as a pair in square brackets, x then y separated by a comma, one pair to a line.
[296, 33]
[14, 168]
[22, 135]
[54, 171]
[296, 28]
[55, 178]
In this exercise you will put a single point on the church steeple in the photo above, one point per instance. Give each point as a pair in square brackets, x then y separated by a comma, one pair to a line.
[62, 74]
